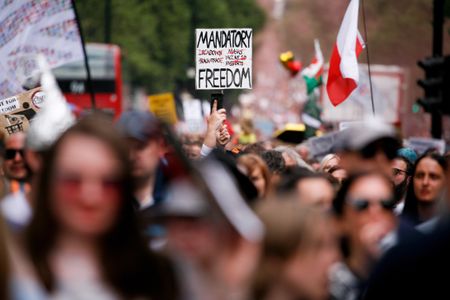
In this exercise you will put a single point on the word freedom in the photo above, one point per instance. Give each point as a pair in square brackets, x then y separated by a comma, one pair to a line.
[224, 78]
[225, 39]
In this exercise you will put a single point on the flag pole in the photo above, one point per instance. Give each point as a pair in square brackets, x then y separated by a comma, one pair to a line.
[86, 64]
[368, 57]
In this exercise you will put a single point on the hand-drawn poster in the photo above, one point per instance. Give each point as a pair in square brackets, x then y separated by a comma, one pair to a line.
[223, 59]
[17, 111]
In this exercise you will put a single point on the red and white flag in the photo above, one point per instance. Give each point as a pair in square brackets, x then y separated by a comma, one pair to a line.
[343, 75]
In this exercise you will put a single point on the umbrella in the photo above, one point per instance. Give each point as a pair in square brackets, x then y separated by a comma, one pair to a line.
[291, 133]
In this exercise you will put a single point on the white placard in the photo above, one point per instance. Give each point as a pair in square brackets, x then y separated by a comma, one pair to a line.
[223, 58]
[420, 144]
[193, 116]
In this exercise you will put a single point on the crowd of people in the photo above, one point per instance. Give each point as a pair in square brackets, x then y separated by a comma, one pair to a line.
[127, 209]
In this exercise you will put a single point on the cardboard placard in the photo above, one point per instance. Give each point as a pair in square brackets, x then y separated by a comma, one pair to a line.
[223, 58]
[163, 107]
[17, 111]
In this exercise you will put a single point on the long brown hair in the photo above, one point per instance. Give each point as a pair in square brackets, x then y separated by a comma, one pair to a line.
[252, 162]
[4, 262]
[126, 263]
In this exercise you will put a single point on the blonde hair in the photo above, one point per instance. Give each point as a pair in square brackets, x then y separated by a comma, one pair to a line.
[326, 160]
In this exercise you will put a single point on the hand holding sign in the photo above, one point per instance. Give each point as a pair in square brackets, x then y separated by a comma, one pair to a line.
[214, 122]
[223, 136]
[216, 118]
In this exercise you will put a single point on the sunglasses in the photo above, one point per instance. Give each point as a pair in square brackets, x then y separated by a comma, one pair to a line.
[396, 171]
[74, 182]
[361, 205]
[11, 153]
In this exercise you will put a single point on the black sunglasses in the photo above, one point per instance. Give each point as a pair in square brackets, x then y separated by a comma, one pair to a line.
[396, 171]
[363, 204]
[11, 153]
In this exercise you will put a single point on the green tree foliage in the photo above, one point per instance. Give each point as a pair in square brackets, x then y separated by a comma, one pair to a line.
[157, 37]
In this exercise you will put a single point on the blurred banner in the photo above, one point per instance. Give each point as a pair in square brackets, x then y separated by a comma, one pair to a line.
[388, 91]
[31, 27]
[421, 145]
[163, 107]
[193, 116]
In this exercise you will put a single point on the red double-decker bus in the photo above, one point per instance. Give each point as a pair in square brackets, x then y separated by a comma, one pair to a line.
[106, 73]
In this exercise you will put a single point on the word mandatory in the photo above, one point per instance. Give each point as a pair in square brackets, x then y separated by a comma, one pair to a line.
[225, 39]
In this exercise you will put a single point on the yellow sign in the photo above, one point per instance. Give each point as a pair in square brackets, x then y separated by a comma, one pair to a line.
[17, 111]
[163, 107]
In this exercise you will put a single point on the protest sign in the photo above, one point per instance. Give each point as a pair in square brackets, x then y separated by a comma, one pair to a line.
[420, 145]
[31, 27]
[193, 116]
[223, 59]
[17, 111]
[163, 107]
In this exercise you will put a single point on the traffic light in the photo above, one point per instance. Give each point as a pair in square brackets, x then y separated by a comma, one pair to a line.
[446, 87]
[435, 84]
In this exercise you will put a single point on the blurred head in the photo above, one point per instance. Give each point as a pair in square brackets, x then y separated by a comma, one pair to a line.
[192, 146]
[84, 189]
[298, 250]
[303, 150]
[340, 174]
[427, 184]
[401, 170]
[292, 158]
[192, 151]
[375, 156]
[84, 181]
[274, 161]
[329, 161]
[370, 145]
[14, 164]
[429, 177]
[256, 148]
[317, 191]
[307, 187]
[364, 208]
[255, 168]
[143, 135]
[186, 213]
[401, 175]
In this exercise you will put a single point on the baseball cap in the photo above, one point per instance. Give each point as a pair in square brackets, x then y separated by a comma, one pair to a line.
[141, 125]
[408, 153]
